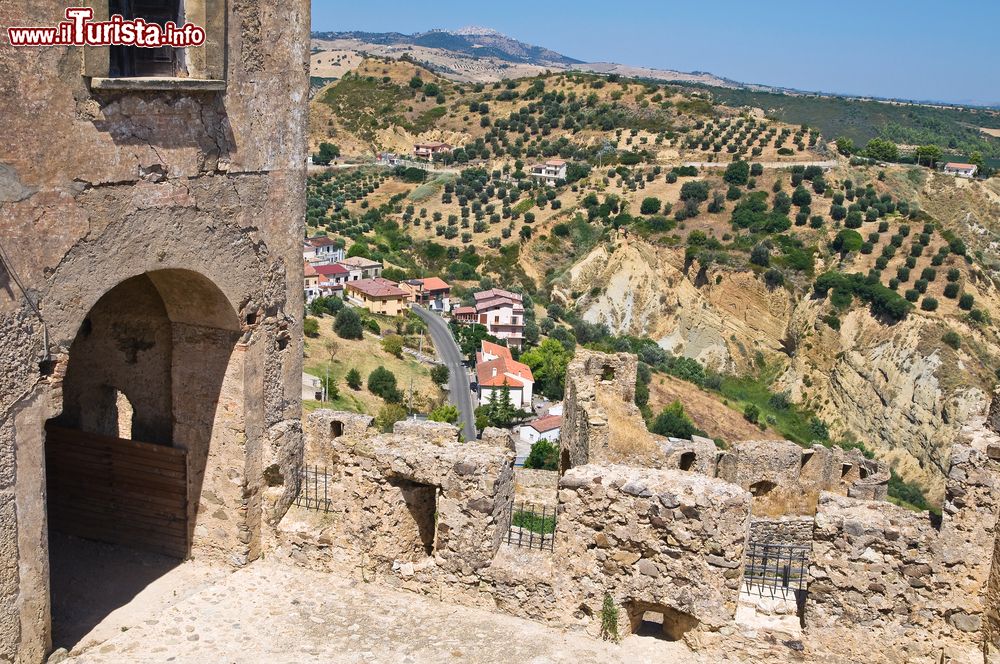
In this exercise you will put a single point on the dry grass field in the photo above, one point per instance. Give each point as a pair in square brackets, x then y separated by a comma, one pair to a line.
[329, 351]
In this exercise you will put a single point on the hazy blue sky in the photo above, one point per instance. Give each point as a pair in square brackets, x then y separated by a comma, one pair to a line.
[917, 49]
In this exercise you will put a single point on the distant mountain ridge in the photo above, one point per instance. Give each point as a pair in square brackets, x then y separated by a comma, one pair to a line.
[472, 41]
[457, 53]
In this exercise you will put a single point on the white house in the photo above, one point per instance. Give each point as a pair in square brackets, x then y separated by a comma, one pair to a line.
[359, 268]
[321, 250]
[544, 428]
[502, 312]
[551, 171]
[430, 149]
[496, 369]
[961, 170]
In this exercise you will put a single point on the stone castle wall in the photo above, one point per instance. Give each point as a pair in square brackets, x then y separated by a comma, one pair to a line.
[659, 539]
[782, 530]
[198, 195]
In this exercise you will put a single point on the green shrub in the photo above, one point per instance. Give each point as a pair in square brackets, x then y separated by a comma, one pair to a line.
[382, 382]
[929, 304]
[952, 338]
[650, 205]
[440, 374]
[310, 327]
[543, 456]
[348, 325]
[353, 379]
[966, 301]
[609, 619]
[951, 290]
[673, 422]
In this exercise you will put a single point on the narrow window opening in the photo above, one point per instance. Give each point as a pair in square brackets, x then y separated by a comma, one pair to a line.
[687, 461]
[133, 61]
[845, 469]
[607, 373]
[125, 412]
[336, 429]
[564, 463]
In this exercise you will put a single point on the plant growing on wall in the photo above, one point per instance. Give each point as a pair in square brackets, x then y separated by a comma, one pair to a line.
[609, 619]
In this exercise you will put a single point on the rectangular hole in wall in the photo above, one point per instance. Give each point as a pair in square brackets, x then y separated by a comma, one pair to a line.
[659, 621]
[416, 522]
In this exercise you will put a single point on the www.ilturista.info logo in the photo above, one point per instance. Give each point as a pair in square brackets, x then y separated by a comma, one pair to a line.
[79, 30]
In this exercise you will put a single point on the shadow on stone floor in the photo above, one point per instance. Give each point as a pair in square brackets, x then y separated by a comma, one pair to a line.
[90, 580]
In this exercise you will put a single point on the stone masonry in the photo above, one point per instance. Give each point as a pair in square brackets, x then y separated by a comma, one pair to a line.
[156, 228]
[655, 540]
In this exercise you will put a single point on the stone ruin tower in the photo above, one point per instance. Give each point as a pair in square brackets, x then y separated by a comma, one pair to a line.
[151, 210]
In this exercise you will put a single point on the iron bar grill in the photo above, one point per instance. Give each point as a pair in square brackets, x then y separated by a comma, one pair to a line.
[314, 487]
[532, 527]
[780, 567]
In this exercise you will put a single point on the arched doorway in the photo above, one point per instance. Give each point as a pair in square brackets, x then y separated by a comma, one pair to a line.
[141, 462]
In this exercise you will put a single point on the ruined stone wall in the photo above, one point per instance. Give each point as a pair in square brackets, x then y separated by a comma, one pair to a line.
[382, 487]
[782, 530]
[203, 192]
[654, 538]
[601, 423]
[660, 540]
[787, 479]
[917, 587]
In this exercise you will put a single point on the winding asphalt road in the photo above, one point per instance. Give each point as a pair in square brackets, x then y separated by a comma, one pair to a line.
[458, 380]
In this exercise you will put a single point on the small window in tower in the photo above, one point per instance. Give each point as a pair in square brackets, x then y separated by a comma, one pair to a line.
[135, 61]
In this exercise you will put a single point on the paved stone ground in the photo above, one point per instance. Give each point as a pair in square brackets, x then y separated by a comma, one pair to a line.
[270, 612]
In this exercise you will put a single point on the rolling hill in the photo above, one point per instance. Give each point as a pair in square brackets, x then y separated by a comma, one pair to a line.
[848, 301]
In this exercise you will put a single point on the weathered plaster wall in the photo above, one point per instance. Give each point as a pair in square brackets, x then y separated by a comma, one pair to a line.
[100, 187]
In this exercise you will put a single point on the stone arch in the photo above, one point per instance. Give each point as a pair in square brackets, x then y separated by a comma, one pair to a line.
[169, 346]
[687, 461]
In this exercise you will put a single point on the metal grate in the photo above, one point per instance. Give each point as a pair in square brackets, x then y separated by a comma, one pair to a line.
[532, 526]
[314, 489]
[778, 567]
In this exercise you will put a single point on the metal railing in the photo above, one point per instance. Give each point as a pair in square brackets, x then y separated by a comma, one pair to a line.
[314, 489]
[778, 567]
[532, 527]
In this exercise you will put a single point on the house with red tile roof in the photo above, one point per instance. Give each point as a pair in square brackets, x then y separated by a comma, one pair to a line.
[495, 369]
[544, 428]
[310, 282]
[361, 268]
[322, 250]
[379, 296]
[429, 149]
[961, 170]
[332, 279]
[431, 292]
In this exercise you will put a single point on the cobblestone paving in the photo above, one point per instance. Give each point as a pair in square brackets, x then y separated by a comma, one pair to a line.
[269, 612]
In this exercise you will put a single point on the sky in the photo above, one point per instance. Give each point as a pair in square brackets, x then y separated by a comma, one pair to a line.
[910, 49]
